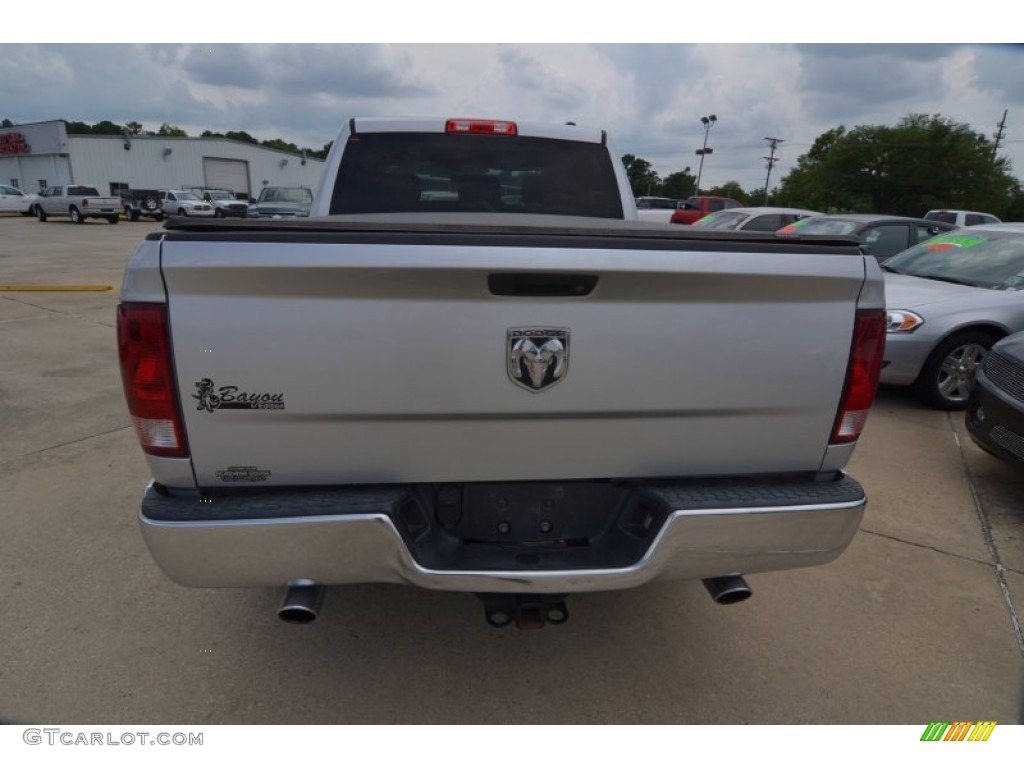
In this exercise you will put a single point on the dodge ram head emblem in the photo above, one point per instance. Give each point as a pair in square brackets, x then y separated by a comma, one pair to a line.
[538, 358]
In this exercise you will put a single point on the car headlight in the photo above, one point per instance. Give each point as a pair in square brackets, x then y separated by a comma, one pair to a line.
[902, 321]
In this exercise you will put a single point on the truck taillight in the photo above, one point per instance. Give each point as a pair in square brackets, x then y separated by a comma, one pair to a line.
[85, 202]
[502, 127]
[144, 348]
[861, 375]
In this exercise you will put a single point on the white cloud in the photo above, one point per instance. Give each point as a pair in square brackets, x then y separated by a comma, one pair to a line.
[649, 97]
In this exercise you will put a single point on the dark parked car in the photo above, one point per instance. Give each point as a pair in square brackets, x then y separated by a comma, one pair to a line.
[141, 202]
[995, 413]
[883, 236]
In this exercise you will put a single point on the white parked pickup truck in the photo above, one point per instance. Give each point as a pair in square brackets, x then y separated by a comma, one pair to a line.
[78, 201]
[473, 369]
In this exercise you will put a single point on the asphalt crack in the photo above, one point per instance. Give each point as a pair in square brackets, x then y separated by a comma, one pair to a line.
[990, 542]
[18, 456]
[59, 312]
[928, 547]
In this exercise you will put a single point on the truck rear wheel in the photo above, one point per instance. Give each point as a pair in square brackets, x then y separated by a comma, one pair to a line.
[113, 218]
[76, 215]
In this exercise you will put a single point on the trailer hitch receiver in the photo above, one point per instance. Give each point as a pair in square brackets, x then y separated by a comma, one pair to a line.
[527, 611]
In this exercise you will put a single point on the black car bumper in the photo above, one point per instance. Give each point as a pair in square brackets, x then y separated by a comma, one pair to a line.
[995, 418]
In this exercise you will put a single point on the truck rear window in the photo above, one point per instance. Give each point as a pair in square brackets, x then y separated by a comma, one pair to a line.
[83, 191]
[423, 172]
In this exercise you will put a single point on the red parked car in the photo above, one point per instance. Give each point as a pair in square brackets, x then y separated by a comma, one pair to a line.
[699, 206]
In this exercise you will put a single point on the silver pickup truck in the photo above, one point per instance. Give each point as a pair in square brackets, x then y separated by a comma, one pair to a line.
[472, 369]
[78, 201]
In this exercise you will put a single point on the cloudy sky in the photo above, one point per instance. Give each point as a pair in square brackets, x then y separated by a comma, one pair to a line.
[649, 96]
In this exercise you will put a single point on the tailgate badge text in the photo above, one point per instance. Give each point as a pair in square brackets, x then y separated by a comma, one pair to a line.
[230, 397]
[538, 358]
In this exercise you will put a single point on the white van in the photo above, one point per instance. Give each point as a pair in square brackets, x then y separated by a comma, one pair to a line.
[962, 218]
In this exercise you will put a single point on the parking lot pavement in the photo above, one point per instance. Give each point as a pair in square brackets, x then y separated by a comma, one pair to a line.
[914, 623]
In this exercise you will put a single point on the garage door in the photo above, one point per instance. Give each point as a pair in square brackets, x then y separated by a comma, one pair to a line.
[226, 174]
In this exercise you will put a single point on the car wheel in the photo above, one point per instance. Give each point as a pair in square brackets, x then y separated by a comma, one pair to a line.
[218, 214]
[76, 215]
[150, 204]
[182, 212]
[945, 379]
[114, 218]
[40, 213]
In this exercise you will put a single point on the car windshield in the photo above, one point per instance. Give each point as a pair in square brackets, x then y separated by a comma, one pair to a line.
[187, 196]
[814, 226]
[286, 195]
[721, 220]
[220, 196]
[949, 217]
[992, 260]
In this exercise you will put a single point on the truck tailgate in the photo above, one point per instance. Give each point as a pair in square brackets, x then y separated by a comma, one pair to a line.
[324, 359]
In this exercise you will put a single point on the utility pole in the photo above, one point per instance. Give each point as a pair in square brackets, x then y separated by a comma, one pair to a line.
[772, 160]
[998, 135]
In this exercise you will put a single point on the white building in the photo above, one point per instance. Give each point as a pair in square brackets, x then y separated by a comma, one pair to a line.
[37, 155]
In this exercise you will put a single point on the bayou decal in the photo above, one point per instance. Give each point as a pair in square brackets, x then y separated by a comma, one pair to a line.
[212, 398]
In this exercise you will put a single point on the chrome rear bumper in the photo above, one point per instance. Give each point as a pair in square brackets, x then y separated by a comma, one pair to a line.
[360, 545]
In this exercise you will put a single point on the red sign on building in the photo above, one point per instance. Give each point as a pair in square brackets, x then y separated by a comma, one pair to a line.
[13, 144]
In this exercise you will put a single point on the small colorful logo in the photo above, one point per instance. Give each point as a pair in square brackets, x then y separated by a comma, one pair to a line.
[959, 730]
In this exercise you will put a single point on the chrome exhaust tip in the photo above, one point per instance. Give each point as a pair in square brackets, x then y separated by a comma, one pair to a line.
[726, 590]
[302, 601]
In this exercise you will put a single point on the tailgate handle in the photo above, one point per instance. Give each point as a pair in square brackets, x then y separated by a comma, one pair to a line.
[540, 284]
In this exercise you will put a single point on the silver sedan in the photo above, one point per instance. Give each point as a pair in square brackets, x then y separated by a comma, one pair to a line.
[949, 299]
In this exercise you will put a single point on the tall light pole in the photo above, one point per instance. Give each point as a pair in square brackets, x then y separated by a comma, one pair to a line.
[708, 121]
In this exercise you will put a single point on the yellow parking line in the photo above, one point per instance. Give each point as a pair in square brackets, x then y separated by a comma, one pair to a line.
[55, 288]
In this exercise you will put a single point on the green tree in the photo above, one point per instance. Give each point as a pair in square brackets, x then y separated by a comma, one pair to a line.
[923, 162]
[134, 127]
[166, 129]
[679, 184]
[7, 123]
[240, 136]
[730, 189]
[107, 128]
[643, 179]
[320, 154]
[76, 127]
[280, 144]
